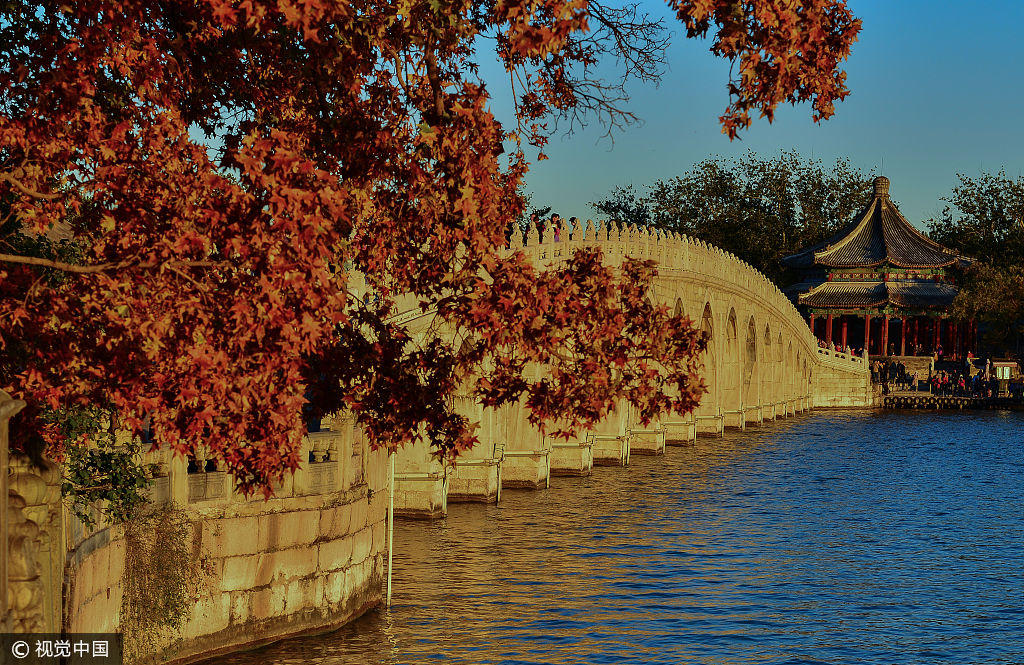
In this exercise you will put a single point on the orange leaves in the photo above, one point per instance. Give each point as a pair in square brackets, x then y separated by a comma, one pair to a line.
[786, 51]
[267, 181]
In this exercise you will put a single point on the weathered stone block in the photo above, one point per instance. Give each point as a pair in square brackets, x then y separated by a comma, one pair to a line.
[285, 565]
[319, 584]
[298, 596]
[239, 572]
[280, 531]
[210, 614]
[380, 536]
[241, 602]
[335, 554]
[378, 507]
[268, 602]
[334, 522]
[115, 565]
[231, 536]
[334, 587]
[360, 509]
[361, 543]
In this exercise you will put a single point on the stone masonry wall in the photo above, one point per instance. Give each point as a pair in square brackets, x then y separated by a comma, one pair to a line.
[238, 572]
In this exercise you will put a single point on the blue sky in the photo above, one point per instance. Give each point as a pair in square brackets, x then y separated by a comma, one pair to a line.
[935, 90]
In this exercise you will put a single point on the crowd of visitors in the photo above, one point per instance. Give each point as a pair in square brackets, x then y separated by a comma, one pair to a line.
[959, 384]
[965, 381]
[893, 375]
[555, 224]
[840, 348]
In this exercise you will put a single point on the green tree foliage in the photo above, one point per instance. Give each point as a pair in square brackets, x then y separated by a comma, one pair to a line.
[761, 209]
[984, 219]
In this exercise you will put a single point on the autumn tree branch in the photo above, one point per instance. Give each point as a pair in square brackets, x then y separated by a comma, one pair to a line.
[104, 267]
[28, 191]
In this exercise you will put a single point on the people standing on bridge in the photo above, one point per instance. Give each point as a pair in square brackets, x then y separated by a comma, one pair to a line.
[556, 225]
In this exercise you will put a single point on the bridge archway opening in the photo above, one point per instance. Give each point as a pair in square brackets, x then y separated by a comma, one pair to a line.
[710, 401]
[750, 366]
[732, 364]
[770, 388]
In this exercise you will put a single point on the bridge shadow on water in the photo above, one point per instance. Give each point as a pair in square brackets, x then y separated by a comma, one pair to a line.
[834, 537]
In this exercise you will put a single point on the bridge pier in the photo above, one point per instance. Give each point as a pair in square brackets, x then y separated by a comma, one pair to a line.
[680, 432]
[477, 479]
[572, 459]
[421, 483]
[647, 441]
[712, 425]
[734, 419]
[610, 449]
[529, 469]
[753, 415]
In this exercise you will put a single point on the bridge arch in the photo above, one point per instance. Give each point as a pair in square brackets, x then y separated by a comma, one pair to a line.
[732, 365]
[711, 399]
[769, 374]
[751, 378]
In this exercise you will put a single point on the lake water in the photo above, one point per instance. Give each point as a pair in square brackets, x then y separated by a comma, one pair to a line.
[837, 537]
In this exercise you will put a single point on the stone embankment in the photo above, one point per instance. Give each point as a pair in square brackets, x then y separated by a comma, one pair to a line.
[205, 570]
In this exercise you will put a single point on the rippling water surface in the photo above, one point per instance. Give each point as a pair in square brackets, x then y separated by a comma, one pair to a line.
[842, 537]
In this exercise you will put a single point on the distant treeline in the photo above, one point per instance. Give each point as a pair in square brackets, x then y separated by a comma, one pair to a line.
[764, 209]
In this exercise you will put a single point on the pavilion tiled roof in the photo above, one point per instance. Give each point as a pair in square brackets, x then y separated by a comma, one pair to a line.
[879, 235]
[915, 294]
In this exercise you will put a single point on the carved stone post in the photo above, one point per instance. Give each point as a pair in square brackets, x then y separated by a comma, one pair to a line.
[8, 407]
[33, 535]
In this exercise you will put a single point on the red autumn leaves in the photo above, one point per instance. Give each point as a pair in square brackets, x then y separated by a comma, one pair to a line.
[227, 167]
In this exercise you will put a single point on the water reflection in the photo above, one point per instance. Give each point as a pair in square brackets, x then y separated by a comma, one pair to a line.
[844, 537]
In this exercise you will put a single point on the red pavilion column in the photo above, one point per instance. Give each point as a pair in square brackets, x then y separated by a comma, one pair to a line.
[937, 336]
[950, 339]
[867, 333]
[844, 333]
[914, 325]
[811, 324]
[828, 329]
[885, 336]
[903, 335]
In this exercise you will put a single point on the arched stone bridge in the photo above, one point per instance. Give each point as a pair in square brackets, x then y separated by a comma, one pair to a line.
[762, 363]
[313, 556]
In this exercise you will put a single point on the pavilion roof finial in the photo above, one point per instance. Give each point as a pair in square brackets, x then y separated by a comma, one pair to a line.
[882, 187]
